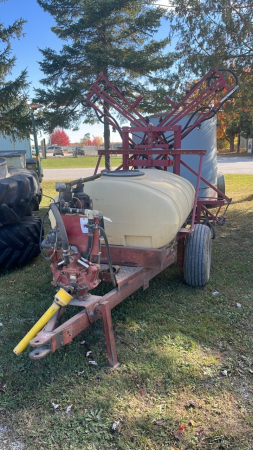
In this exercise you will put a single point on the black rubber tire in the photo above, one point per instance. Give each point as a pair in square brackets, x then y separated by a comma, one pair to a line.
[197, 258]
[19, 242]
[221, 183]
[20, 195]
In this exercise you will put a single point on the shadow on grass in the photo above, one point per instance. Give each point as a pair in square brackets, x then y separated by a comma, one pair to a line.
[245, 199]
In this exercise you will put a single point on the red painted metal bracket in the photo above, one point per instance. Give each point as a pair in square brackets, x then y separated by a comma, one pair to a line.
[95, 307]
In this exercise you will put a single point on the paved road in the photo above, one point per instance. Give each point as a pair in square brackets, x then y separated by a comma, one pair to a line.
[227, 164]
[66, 174]
[236, 164]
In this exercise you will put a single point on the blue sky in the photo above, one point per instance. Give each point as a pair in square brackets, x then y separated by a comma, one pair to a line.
[38, 34]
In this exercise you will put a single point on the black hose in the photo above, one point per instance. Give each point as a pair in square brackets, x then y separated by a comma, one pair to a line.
[232, 72]
[62, 230]
[41, 235]
[210, 225]
[90, 227]
[112, 118]
[193, 114]
[85, 180]
[106, 114]
[214, 111]
[108, 255]
[223, 70]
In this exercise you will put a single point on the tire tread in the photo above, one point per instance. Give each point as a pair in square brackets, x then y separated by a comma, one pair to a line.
[20, 194]
[197, 258]
[19, 242]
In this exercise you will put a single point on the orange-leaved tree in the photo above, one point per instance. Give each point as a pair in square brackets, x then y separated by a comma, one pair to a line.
[228, 127]
[96, 140]
[227, 119]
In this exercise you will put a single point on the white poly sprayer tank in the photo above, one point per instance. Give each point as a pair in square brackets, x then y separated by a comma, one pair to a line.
[143, 208]
[204, 138]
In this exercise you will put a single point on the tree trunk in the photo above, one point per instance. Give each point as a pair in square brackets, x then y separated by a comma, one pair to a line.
[238, 143]
[106, 125]
[107, 138]
[232, 144]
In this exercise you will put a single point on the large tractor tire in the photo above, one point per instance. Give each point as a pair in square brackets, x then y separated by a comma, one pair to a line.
[197, 258]
[19, 242]
[20, 194]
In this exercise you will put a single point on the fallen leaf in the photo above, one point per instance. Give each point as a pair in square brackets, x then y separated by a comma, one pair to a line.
[218, 357]
[183, 427]
[178, 435]
[115, 425]
[192, 423]
[199, 432]
[224, 373]
[215, 293]
[55, 406]
[80, 373]
[237, 305]
[82, 342]
[93, 363]
[191, 403]
[88, 353]
[174, 448]
[68, 409]
[251, 371]
[160, 423]
[3, 388]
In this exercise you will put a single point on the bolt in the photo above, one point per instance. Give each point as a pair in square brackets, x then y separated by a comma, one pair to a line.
[92, 313]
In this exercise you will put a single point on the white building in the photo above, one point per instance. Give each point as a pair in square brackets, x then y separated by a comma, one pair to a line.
[7, 144]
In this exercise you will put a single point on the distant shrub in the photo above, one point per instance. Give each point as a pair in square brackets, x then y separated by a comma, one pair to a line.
[222, 144]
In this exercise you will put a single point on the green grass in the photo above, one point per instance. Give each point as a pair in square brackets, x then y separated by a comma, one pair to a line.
[82, 161]
[172, 341]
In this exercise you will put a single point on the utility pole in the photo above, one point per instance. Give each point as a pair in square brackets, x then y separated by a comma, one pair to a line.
[32, 108]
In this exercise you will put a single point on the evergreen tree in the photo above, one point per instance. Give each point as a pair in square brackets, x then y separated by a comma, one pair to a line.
[113, 37]
[212, 33]
[216, 33]
[15, 120]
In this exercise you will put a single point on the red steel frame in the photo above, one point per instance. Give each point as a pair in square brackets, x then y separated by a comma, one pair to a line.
[155, 146]
[137, 266]
[129, 279]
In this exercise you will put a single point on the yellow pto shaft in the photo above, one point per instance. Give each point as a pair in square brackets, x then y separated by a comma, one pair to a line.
[62, 298]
